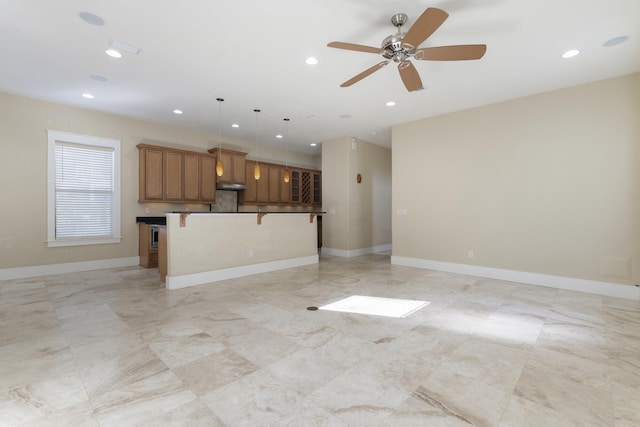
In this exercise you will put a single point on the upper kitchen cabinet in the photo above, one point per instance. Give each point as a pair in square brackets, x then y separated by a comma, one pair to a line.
[151, 175]
[305, 187]
[234, 163]
[171, 175]
[257, 189]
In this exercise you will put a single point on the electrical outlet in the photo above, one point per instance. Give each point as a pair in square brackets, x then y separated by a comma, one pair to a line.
[250, 253]
[471, 254]
[146, 210]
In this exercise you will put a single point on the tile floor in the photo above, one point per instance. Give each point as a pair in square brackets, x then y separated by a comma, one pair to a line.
[114, 348]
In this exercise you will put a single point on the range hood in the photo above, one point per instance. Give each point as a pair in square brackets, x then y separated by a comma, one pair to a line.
[230, 186]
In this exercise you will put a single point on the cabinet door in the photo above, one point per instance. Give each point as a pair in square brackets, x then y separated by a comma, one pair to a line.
[227, 162]
[173, 176]
[275, 181]
[263, 184]
[191, 177]
[208, 179]
[317, 188]
[150, 174]
[305, 187]
[285, 188]
[239, 169]
[250, 194]
[295, 186]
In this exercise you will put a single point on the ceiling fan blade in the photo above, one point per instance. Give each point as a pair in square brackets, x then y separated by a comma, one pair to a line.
[410, 76]
[364, 74]
[356, 47]
[451, 53]
[424, 26]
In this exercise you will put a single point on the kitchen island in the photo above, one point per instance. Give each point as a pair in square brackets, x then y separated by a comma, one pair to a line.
[198, 248]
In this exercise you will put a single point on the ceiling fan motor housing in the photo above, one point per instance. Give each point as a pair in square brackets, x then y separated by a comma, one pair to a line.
[393, 48]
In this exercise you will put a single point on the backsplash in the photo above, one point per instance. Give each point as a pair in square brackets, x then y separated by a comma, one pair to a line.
[226, 201]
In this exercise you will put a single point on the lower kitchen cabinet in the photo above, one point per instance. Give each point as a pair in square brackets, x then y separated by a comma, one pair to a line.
[148, 249]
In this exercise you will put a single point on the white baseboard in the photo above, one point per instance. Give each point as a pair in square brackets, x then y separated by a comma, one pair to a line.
[69, 267]
[568, 283]
[186, 280]
[355, 252]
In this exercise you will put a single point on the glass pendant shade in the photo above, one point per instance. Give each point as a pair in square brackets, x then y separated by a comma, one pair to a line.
[256, 171]
[219, 168]
[286, 176]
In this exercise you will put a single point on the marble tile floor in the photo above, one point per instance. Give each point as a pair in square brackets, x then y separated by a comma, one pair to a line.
[114, 348]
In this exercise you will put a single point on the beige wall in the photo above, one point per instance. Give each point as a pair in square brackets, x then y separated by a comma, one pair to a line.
[358, 214]
[335, 193]
[545, 184]
[23, 172]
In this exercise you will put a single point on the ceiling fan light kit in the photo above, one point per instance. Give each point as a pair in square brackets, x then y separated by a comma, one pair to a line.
[401, 47]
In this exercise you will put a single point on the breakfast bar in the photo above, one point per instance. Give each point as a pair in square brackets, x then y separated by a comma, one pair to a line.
[198, 248]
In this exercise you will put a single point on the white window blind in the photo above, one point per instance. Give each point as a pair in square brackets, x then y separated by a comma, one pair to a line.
[84, 205]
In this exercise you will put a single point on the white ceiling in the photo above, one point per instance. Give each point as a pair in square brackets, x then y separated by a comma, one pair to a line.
[252, 52]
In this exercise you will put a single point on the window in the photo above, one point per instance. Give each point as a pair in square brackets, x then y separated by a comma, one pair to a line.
[84, 189]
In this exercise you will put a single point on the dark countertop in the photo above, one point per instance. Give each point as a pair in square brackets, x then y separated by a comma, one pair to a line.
[162, 220]
[157, 220]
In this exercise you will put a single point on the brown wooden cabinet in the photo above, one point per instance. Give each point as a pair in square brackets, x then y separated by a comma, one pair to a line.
[173, 171]
[191, 163]
[148, 250]
[151, 174]
[285, 187]
[275, 182]
[171, 175]
[250, 195]
[306, 187]
[257, 191]
[207, 178]
[234, 162]
[303, 187]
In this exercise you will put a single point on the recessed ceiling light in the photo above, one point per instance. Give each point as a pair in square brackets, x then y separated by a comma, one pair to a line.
[87, 95]
[235, 125]
[98, 78]
[176, 111]
[279, 136]
[570, 53]
[113, 53]
[121, 46]
[390, 103]
[91, 18]
[313, 117]
[313, 144]
[312, 60]
[615, 41]
[345, 116]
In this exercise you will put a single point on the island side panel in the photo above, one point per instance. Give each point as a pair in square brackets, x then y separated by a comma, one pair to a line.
[222, 241]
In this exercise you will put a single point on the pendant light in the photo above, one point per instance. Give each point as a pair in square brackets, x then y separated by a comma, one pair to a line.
[286, 176]
[219, 164]
[256, 168]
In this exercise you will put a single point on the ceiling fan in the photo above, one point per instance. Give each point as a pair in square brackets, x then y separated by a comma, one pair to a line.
[400, 47]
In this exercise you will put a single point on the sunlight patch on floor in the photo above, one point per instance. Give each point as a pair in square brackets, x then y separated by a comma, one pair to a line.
[388, 307]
